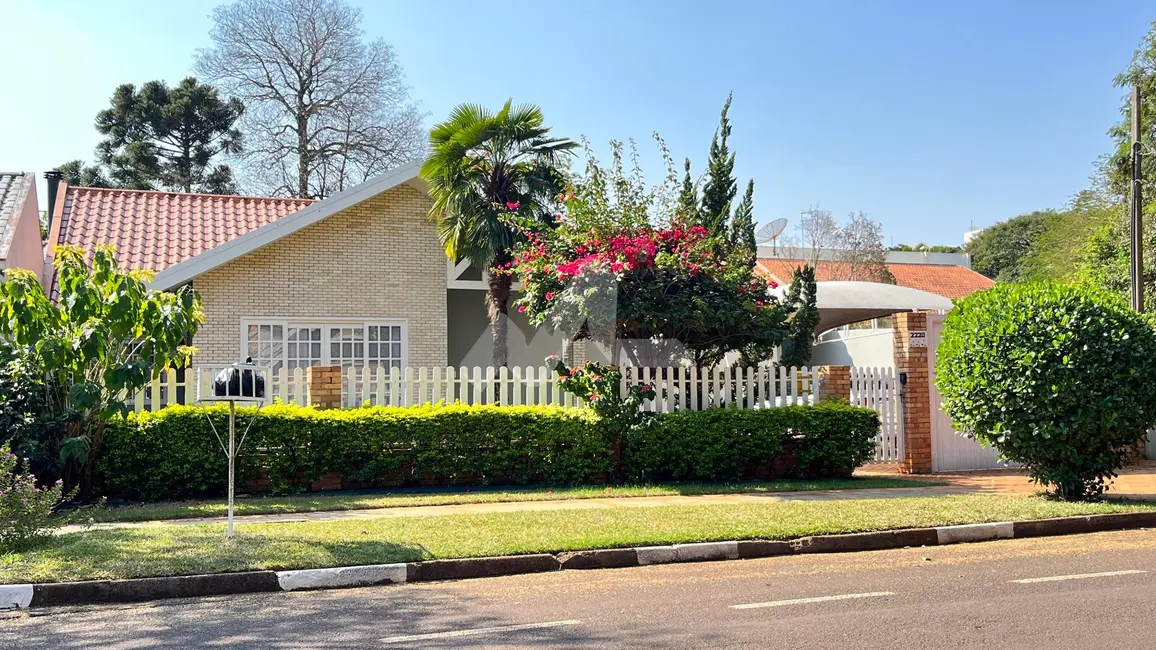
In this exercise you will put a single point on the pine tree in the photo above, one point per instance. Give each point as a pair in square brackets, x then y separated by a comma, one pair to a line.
[161, 137]
[687, 210]
[742, 232]
[720, 187]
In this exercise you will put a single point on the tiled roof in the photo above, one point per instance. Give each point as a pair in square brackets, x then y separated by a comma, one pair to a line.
[947, 281]
[155, 230]
[13, 189]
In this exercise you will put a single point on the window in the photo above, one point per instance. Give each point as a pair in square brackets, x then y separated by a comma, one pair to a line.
[347, 343]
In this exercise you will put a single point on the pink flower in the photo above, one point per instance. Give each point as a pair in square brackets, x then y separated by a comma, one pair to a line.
[513, 205]
[549, 295]
[521, 309]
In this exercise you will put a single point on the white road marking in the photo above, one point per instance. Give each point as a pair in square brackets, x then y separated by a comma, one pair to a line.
[1079, 576]
[819, 599]
[477, 631]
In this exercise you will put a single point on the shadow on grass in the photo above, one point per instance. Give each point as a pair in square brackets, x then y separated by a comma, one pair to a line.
[427, 496]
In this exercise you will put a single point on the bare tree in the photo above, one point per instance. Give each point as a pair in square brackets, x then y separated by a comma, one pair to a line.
[325, 108]
[853, 251]
[860, 254]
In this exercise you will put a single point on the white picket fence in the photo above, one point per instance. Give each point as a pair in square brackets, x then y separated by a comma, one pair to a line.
[878, 390]
[676, 388]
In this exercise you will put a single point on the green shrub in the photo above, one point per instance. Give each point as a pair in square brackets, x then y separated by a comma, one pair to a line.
[719, 444]
[835, 439]
[1056, 377]
[25, 508]
[173, 453]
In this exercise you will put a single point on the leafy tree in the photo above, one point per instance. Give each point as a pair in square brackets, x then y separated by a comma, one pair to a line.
[157, 137]
[925, 248]
[482, 165]
[326, 109]
[1054, 377]
[1001, 251]
[76, 173]
[1140, 71]
[27, 424]
[720, 187]
[105, 338]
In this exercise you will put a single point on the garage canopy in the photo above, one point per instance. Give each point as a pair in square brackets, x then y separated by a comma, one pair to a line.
[842, 303]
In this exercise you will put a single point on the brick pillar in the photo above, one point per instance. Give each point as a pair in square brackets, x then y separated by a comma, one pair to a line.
[834, 382]
[324, 386]
[911, 360]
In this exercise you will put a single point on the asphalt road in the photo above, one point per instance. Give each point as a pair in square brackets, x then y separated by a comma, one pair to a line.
[1007, 594]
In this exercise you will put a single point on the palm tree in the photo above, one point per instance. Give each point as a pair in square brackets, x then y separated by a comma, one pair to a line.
[479, 163]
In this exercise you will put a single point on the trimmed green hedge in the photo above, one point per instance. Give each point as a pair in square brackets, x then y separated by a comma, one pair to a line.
[174, 454]
[828, 439]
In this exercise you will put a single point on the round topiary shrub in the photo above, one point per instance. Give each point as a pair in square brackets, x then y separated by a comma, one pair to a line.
[1060, 378]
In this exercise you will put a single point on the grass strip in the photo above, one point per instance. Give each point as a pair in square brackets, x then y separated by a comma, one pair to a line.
[443, 496]
[175, 550]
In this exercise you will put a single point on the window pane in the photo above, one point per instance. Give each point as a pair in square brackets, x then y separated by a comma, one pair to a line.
[358, 350]
[373, 333]
[277, 332]
[397, 350]
[396, 333]
[316, 351]
[347, 350]
[292, 334]
[252, 332]
[334, 334]
[372, 349]
[335, 350]
[396, 363]
[265, 331]
[252, 351]
[291, 348]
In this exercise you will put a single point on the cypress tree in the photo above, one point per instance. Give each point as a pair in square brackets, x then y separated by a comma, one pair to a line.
[720, 187]
[687, 209]
[742, 233]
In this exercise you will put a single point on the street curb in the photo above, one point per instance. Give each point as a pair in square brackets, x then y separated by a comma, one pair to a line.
[140, 589]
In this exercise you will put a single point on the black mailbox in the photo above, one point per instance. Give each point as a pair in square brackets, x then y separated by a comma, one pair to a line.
[239, 382]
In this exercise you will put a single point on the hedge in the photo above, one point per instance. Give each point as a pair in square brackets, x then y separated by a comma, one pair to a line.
[828, 439]
[173, 453]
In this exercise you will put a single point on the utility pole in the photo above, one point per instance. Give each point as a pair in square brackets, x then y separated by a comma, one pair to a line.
[1137, 208]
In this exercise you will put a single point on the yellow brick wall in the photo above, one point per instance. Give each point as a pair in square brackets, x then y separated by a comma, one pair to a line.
[379, 259]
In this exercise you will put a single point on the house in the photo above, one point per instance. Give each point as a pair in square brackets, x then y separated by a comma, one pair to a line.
[946, 274]
[20, 243]
[356, 279]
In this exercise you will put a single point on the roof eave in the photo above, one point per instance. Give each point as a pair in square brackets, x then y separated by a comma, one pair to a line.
[183, 272]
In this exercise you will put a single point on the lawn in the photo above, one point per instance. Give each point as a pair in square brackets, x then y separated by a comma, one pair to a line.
[442, 496]
[173, 550]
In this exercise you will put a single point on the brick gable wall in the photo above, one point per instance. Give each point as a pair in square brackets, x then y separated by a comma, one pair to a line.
[379, 259]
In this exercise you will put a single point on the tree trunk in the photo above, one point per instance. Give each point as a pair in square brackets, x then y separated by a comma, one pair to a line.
[303, 154]
[498, 306]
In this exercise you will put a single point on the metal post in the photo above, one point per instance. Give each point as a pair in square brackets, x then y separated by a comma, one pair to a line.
[232, 458]
[1137, 214]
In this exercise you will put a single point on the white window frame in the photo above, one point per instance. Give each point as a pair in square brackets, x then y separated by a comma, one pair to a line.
[325, 324]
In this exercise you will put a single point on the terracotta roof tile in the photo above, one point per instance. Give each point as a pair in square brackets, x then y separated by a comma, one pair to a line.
[155, 230]
[947, 281]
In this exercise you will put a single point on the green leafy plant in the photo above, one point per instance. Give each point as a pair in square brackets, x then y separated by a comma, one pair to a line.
[828, 439]
[25, 508]
[105, 337]
[1053, 376]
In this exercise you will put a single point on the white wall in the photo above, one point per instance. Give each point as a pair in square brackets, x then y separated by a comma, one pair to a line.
[869, 348]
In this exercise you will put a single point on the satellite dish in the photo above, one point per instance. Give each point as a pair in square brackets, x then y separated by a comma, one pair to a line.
[771, 231]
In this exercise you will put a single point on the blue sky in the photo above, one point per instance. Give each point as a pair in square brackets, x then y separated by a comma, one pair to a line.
[928, 116]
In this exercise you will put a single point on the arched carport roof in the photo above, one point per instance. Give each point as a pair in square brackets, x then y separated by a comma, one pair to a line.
[844, 302]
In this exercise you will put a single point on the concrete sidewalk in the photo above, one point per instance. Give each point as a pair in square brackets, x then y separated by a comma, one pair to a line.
[1136, 482]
